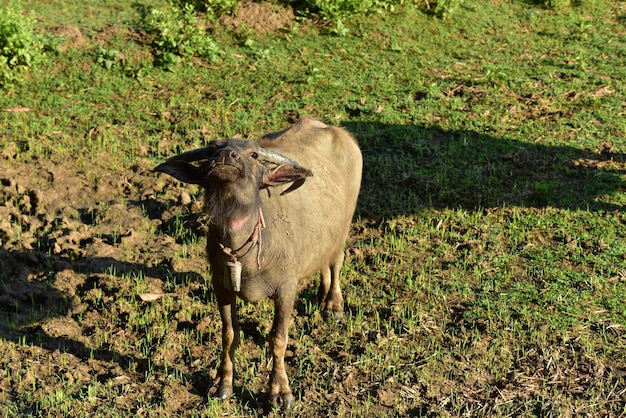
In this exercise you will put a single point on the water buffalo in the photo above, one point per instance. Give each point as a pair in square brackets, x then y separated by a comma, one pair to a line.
[272, 224]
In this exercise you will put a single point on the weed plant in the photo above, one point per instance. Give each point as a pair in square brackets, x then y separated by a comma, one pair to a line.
[214, 8]
[178, 37]
[20, 47]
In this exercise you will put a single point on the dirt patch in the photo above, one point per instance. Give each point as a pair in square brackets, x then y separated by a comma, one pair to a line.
[259, 17]
[72, 37]
[73, 247]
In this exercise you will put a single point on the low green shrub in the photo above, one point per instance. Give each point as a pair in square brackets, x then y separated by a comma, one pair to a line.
[341, 9]
[107, 58]
[562, 4]
[178, 37]
[446, 8]
[19, 45]
[213, 8]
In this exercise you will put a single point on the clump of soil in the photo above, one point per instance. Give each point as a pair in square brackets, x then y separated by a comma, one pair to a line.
[260, 17]
[71, 35]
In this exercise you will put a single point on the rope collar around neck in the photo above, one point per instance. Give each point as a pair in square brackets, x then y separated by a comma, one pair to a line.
[255, 238]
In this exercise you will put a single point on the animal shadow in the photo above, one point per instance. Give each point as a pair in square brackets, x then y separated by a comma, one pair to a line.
[410, 167]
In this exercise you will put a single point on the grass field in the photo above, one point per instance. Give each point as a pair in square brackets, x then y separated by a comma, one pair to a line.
[486, 266]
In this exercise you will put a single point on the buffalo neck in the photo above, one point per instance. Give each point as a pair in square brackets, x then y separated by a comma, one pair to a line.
[238, 236]
[233, 212]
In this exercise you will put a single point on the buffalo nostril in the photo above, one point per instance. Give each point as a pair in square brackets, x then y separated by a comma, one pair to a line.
[227, 155]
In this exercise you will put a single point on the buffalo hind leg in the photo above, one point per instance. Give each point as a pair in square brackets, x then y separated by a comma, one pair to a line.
[329, 292]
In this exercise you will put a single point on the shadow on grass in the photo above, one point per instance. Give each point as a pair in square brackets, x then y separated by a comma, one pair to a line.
[30, 299]
[408, 168]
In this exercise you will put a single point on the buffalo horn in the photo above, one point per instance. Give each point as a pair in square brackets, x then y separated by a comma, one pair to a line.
[272, 157]
[194, 155]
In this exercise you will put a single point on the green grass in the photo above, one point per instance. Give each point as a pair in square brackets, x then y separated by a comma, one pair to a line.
[485, 273]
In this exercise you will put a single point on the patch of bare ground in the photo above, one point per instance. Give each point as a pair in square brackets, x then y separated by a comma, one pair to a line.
[259, 17]
[71, 36]
[70, 240]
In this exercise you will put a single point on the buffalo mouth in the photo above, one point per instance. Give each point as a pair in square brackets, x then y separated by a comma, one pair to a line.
[225, 171]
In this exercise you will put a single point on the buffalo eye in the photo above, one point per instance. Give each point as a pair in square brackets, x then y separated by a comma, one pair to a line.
[254, 155]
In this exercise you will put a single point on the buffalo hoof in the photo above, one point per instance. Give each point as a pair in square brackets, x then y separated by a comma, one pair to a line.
[223, 392]
[287, 399]
[337, 316]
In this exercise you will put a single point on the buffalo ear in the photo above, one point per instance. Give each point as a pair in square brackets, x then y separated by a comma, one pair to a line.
[285, 173]
[180, 166]
[181, 170]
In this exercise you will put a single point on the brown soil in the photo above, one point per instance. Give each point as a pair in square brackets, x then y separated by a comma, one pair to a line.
[260, 17]
[72, 37]
[70, 239]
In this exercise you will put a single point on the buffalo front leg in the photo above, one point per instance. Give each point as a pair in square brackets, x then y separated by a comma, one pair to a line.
[230, 341]
[279, 382]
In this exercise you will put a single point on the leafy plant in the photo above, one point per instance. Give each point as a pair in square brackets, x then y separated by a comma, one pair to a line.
[339, 28]
[108, 57]
[562, 4]
[334, 10]
[554, 4]
[19, 45]
[445, 8]
[213, 8]
[495, 75]
[178, 37]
